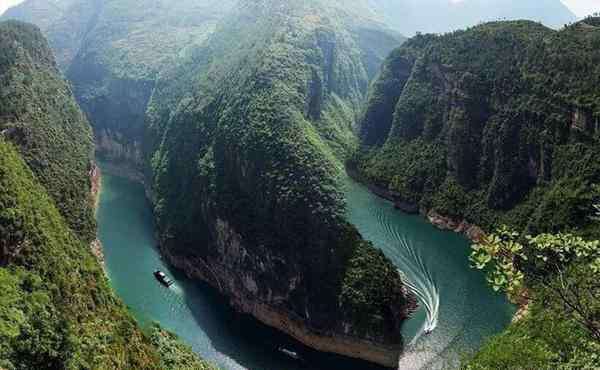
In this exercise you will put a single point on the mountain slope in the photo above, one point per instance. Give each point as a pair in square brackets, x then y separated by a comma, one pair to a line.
[496, 124]
[247, 131]
[57, 310]
[245, 142]
[38, 114]
[111, 51]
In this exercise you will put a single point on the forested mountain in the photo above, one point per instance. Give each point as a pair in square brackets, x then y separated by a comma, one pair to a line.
[246, 141]
[498, 125]
[242, 146]
[439, 16]
[112, 51]
[239, 116]
[56, 307]
[38, 113]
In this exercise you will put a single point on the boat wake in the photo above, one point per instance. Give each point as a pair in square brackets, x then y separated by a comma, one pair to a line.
[429, 297]
[416, 276]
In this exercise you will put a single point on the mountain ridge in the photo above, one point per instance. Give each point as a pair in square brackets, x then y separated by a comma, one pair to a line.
[457, 107]
[57, 309]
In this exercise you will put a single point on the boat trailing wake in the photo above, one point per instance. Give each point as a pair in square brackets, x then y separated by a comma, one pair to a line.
[422, 284]
[416, 276]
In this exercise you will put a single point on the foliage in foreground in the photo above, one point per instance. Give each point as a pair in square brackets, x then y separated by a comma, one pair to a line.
[560, 274]
[174, 355]
[544, 340]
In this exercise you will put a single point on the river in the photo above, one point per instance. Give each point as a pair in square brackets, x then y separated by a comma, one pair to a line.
[456, 304]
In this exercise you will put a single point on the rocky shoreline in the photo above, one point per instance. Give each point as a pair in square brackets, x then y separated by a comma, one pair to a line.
[95, 190]
[95, 184]
[237, 289]
[471, 231]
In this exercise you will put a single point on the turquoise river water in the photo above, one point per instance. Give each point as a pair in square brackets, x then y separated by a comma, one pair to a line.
[455, 303]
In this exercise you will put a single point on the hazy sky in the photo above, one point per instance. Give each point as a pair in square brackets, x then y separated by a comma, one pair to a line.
[580, 7]
[5, 4]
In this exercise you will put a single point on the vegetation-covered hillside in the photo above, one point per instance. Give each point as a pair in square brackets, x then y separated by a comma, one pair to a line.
[57, 310]
[111, 51]
[496, 124]
[499, 125]
[245, 144]
[291, 77]
[39, 114]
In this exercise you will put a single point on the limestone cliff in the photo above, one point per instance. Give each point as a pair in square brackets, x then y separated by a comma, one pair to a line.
[246, 141]
[240, 124]
[494, 124]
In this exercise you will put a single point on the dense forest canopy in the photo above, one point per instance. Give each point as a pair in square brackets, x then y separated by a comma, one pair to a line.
[498, 125]
[266, 123]
[242, 117]
[56, 308]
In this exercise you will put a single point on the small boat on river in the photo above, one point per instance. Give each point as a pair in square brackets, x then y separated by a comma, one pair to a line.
[162, 278]
[290, 353]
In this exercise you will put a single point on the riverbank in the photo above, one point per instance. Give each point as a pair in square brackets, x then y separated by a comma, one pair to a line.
[471, 231]
[230, 285]
[192, 309]
[95, 176]
[271, 316]
[461, 226]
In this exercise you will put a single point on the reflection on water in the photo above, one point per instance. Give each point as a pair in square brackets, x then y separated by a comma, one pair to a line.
[455, 302]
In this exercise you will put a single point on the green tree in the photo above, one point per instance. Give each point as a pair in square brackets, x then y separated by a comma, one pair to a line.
[565, 266]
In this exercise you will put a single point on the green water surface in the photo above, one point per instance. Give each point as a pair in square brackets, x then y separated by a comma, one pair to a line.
[434, 262]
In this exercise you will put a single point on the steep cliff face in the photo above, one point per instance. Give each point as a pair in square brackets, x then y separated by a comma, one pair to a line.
[494, 124]
[39, 115]
[245, 141]
[111, 51]
[64, 22]
[242, 144]
[57, 310]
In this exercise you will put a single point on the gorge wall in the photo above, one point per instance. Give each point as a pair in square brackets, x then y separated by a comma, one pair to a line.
[112, 51]
[246, 145]
[57, 309]
[240, 125]
[495, 124]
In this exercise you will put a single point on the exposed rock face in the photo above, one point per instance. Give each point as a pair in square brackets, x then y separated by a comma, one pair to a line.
[116, 106]
[113, 146]
[237, 273]
[95, 184]
[241, 138]
[461, 125]
[473, 232]
[246, 178]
